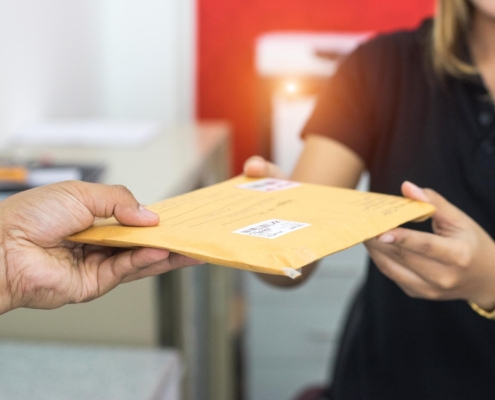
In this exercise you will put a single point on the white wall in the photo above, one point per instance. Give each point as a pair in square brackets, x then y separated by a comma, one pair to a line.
[149, 58]
[84, 58]
[49, 60]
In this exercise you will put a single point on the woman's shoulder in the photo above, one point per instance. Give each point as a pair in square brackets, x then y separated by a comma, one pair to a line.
[398, 46]
[387, 60]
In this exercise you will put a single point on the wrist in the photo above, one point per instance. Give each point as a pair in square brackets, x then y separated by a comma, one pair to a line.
[487, 304]
[483, 302]
[5, 297]
[482, 293]
[490, 314]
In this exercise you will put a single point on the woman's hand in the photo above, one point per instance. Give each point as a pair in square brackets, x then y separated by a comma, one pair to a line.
[457, 261]
[40, 269]
[258, 167]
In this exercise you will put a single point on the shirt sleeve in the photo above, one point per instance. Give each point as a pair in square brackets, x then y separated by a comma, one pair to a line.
[345, 107]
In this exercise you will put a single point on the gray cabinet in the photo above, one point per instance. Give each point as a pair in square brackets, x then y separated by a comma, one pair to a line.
[292, 333]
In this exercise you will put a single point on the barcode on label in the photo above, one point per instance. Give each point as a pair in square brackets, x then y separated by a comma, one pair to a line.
[271, 229]
[269, 185]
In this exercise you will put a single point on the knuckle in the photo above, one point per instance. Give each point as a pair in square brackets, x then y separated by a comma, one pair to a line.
[462, 256]
[414, 294]
[425, 248]
[137, 262]
[447, 282]
[429, 293]
[77, 188]
[122, 190]
[30, 284]
[434, 295]
[175, 261]
[398, 253]
[72, 183]
[430, 192]
[250, 160]
[383, 266]
[401, 235]
[254, 159]
[400, 239]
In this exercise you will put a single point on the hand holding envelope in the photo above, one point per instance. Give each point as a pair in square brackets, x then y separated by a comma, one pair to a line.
[264, 225]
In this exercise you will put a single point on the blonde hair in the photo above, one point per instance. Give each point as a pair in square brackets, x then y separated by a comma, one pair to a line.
[450, 28]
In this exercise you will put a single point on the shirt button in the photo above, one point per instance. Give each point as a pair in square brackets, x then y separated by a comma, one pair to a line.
[488, 148]
[485, 118]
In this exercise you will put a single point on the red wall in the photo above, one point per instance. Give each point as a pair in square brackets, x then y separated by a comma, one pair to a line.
[226, 33]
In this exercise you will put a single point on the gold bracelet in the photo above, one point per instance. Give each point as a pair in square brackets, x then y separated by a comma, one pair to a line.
[480, 311]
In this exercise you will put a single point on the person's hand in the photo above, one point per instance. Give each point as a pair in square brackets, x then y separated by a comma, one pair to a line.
[258, 167]
[40, 269]
[457, 261]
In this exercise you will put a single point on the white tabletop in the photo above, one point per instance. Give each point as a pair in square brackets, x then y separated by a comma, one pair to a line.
[62, 372]
[161, 168]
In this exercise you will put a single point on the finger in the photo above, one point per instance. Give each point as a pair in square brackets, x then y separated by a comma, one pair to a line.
[106, 201]
[257, 167]
[114, 269]
[90, 250]
[446, 215]
[414, 192]
[175, 261]
[411, 191]
[449, 251]
[95, 255]
[438, 275]
[407, 280]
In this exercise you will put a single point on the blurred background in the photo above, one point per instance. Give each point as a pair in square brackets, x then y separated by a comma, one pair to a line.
[166, 96]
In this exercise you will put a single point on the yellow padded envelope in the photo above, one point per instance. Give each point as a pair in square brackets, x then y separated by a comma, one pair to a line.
[264, 225]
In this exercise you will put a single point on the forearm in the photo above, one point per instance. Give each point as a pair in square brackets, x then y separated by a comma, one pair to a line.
[327, 162]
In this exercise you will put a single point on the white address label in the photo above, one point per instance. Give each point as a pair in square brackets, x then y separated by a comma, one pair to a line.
[269, 185]
[271, 228]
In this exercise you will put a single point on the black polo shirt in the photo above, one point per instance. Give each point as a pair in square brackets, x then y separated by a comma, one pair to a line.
[387, 105]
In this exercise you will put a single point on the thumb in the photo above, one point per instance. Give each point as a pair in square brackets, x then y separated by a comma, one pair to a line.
[446, 213]
[105, 201]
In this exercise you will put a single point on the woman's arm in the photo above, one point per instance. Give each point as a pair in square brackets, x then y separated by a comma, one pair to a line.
[323, 161]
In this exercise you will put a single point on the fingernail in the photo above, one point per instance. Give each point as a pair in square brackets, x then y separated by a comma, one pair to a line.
[386, 238]
[417, 191]
[147, 213]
